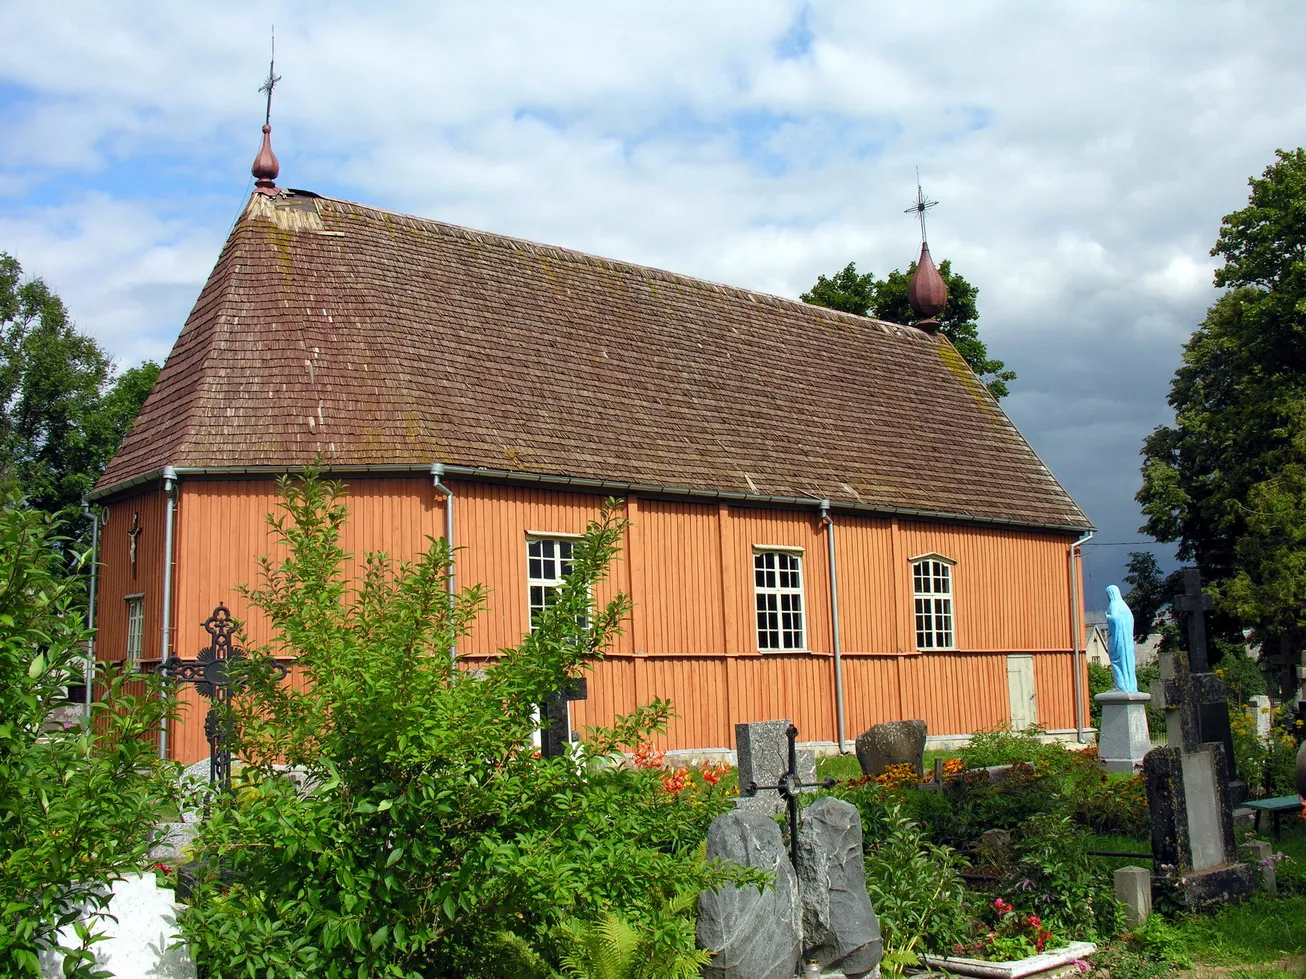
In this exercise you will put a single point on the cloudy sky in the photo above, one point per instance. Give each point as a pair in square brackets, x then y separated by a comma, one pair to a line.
[1083, 155]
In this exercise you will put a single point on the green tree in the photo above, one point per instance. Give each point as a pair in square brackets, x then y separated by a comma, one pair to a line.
[62, 413]
[1224, 481]
[886, 299]
[77, 803]
[1150, 592]
[433, 827]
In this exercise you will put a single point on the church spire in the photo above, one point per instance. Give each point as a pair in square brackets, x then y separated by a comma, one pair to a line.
[926, 291]
[266, 167]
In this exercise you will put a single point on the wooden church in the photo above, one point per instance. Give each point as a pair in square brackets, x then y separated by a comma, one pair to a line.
[830, 518]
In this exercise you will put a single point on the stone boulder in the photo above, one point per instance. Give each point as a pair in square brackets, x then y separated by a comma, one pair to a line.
[753, 933]
[891, 743]
[840, 930]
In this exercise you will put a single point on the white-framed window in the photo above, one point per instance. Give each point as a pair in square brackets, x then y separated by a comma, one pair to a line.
[931, 578]
[548, 562]
[778, 586]
[135, 629]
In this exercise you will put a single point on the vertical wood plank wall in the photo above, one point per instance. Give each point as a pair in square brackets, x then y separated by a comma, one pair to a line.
[688, 570]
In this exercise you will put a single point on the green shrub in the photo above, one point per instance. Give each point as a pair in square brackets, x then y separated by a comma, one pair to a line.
[915, 887]
[77, 803]
[1100, 680]
[1053, 878]
[433, 828]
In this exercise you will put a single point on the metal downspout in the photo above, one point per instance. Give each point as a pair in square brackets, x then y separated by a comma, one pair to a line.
[169, 490]
[1076, 633]
[90, 606]
[437, 477]
[839, 719]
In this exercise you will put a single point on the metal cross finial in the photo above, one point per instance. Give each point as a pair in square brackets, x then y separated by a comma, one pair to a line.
[271, 81]
[921, 206]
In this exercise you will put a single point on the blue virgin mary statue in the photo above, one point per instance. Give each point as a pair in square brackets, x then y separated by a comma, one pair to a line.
[1120, 640]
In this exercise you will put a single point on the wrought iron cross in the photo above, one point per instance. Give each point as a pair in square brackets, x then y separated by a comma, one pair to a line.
[211, 674]
[271, 81]
[133, 534]
[788, 788]
[921, 206]
[1195, 605]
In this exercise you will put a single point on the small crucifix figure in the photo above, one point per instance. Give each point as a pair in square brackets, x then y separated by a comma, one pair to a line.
[133, 533]
[787, 787]
[1195, 604]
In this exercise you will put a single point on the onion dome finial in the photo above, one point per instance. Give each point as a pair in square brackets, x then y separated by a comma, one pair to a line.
[927, 292]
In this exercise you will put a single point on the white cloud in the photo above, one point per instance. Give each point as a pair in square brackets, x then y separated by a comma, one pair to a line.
[1083, 155]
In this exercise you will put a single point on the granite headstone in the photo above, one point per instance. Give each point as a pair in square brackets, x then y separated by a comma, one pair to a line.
[762, 751]
[753, 933]
[891, 743]
[840, 930]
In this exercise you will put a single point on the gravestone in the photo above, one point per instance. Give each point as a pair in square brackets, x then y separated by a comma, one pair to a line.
[753, 932]
[762, 755]
[891, 743]
[1211, 704]
[840, 930]
[555, 727]
[1259, 707]
[1188, 797]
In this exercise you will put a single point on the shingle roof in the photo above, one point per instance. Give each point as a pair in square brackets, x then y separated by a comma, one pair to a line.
[374, 338]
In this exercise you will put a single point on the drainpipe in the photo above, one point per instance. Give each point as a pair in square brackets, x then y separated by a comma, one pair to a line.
[437, 477]
[90, 605]
[839, 721]
[169, 490]
[1075, 634]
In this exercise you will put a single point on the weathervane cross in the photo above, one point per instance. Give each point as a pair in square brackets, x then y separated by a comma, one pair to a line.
[271, 81]
[921, 206]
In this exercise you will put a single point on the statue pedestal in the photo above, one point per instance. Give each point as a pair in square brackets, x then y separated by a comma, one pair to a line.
[1123, 738]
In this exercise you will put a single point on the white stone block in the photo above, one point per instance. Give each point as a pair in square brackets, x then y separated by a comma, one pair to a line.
[139, 942]
[1123, 739]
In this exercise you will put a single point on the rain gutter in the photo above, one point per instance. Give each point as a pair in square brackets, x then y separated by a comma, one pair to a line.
[90, 606]
[437, 478]
[590, 485]
[1076, 633]
[169, 489]
[839, 724]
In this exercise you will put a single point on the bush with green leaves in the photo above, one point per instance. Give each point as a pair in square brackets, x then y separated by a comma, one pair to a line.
[78, 803]
[427, 826]
[915, 888]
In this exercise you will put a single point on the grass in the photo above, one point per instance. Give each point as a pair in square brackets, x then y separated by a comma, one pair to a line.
[844, 767]
[1259, 930]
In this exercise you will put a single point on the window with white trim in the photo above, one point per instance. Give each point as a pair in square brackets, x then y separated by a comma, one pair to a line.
[548, 562]
[135, 629]
[778, 585]
[932, 594]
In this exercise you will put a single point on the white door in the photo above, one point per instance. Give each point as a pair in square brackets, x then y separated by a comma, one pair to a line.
[1021, 692]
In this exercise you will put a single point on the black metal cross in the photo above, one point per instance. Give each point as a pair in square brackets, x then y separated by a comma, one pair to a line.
[1195, 605]
[921, 206]
[271, 81]
[210, 673]
[788, 788]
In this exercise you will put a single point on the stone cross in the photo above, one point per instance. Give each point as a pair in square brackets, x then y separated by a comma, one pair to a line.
[555, 731]
[1195, 604]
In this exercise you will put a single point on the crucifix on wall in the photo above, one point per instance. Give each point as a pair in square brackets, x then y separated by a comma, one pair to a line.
[134, 533]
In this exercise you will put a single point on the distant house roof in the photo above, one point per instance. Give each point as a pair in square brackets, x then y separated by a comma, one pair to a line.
[373, 339]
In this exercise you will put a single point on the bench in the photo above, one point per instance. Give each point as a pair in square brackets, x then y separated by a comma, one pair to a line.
[1276, 807]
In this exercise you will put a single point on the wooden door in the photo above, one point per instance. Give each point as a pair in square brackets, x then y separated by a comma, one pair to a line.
[1021, 692]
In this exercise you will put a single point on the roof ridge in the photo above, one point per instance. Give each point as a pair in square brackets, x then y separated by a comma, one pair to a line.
[591, 258]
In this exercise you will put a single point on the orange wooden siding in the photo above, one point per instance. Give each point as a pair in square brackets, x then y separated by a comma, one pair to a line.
[116, 580]
[688, 569]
